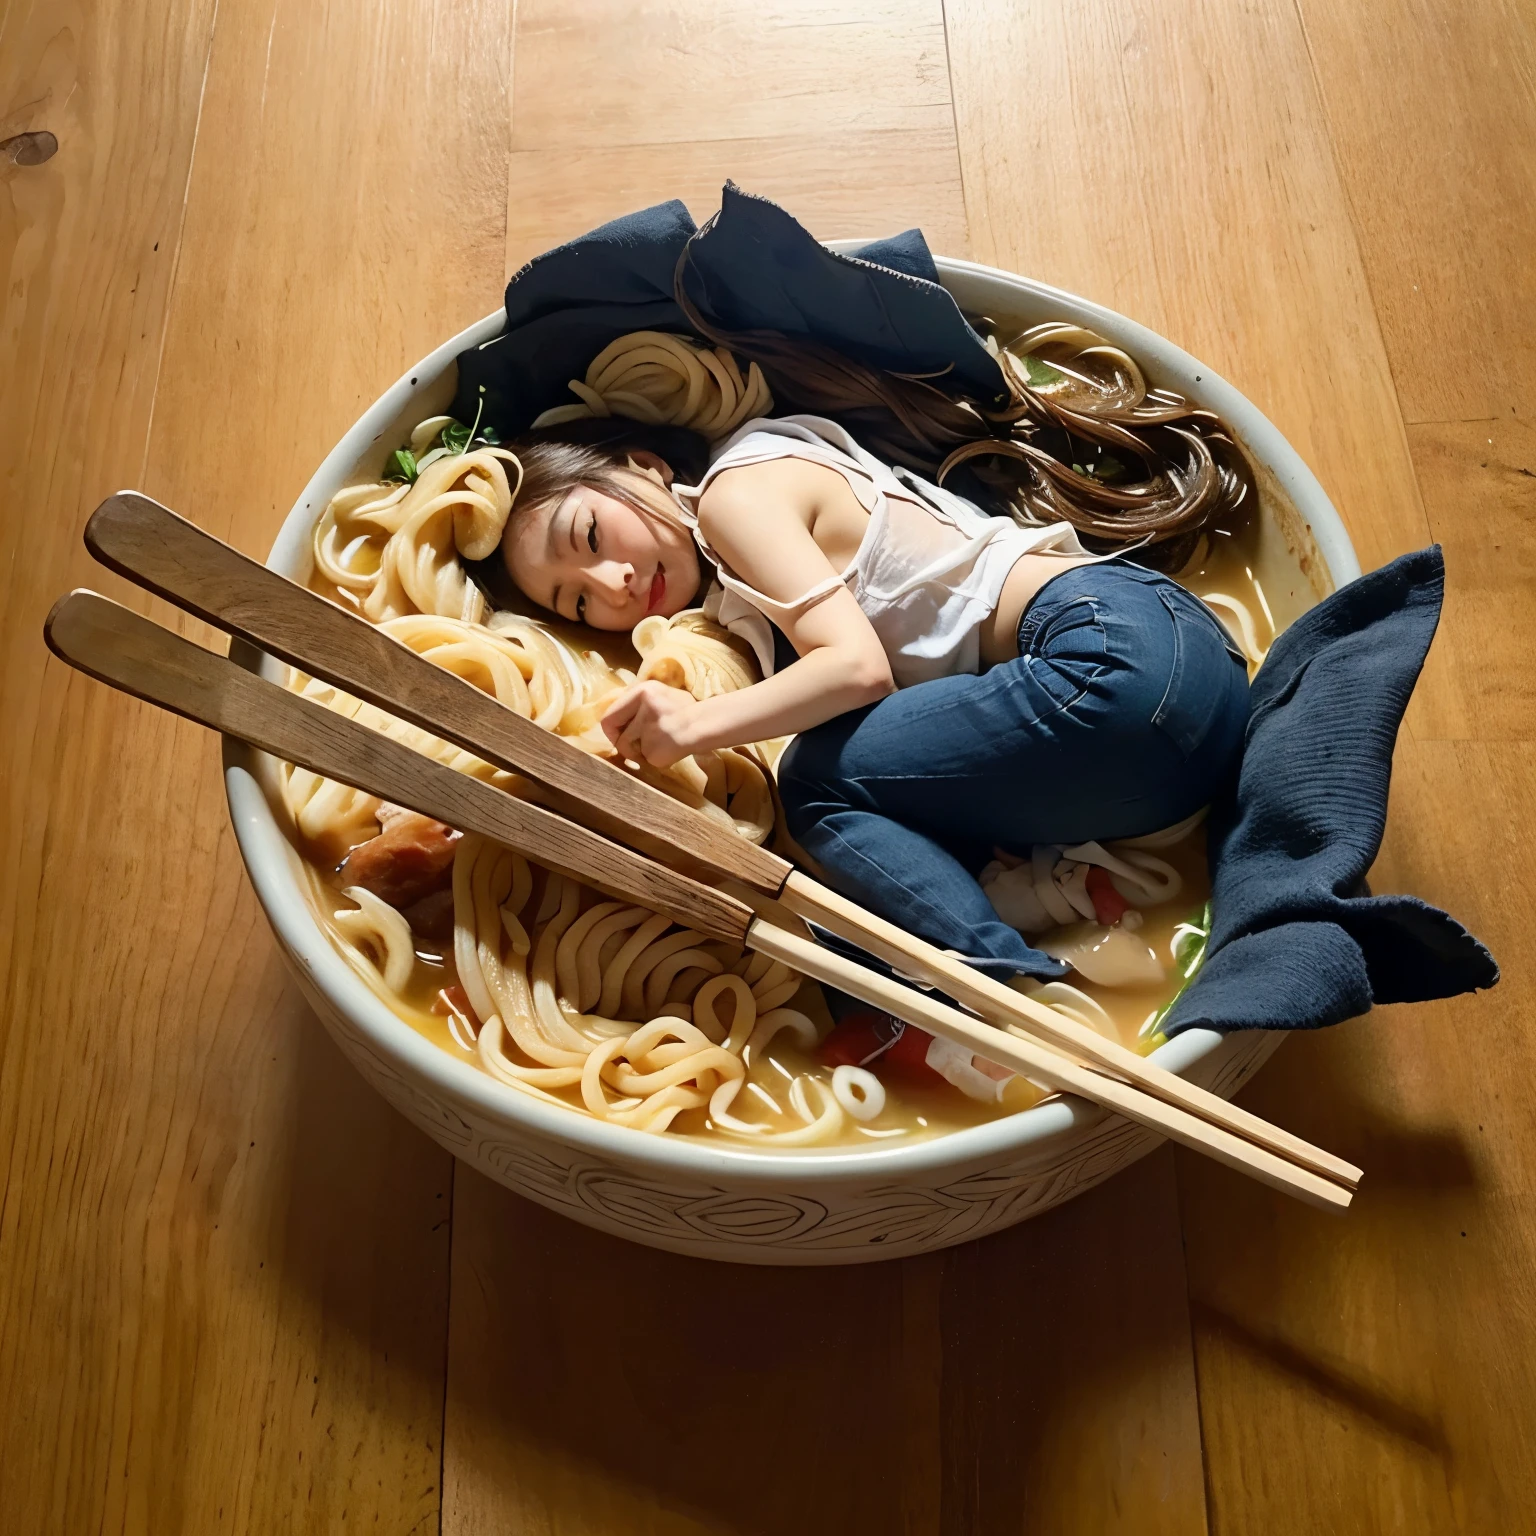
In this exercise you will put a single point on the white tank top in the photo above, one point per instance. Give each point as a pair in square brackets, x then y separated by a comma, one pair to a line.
[928, 571]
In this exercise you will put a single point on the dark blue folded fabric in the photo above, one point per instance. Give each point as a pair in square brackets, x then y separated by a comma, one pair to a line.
[754, 268]
[1297, 942]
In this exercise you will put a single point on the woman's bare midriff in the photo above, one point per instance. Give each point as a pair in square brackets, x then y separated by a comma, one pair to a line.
[1000, 633]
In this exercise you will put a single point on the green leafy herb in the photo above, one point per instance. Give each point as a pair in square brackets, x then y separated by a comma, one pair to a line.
[457, 438]
[1190, 939]
[1039, 372]
[401, 465]
[1106, 468]
[479, 412]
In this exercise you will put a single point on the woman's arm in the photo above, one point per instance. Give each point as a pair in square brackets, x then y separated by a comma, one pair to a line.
[760, 523]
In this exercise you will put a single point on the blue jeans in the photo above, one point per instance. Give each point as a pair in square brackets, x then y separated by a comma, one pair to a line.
[1123, 713]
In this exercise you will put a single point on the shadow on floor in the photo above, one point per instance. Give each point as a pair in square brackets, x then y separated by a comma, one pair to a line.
[594, 1384]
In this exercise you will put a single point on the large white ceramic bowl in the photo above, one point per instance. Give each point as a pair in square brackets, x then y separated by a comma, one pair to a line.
[712, 1198]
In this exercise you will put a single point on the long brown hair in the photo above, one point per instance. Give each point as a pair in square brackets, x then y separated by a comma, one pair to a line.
[1123, 464]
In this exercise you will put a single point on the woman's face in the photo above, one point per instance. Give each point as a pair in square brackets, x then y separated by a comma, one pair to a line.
[590, 557]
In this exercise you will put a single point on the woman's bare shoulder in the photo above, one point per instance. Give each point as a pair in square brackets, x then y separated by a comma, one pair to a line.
[786, 486]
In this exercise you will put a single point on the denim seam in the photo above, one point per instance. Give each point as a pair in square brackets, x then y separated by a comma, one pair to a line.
[863, 858]
[1175, 671]
[1030, 626]
[1036, 617]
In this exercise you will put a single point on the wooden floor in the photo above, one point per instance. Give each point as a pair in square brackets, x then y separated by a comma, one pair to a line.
[237, 1292]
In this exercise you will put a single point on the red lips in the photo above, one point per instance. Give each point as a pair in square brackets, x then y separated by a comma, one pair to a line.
[658, 594]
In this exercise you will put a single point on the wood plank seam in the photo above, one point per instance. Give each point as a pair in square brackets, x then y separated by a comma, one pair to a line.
[181, 226]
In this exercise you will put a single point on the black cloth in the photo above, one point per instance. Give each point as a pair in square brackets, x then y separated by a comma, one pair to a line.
[754, 268]
[1297, 941]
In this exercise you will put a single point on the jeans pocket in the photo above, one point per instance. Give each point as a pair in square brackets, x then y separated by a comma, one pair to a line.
[1197, 686]
[1070, 650]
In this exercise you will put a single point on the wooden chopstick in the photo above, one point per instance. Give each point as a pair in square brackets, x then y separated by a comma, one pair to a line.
[159, 550]
[153, 547]
[132, 653]
[1042, 1065]
[998, 1003]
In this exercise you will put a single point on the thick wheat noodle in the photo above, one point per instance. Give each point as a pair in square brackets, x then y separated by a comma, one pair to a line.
[611, 945]
[555, 681]
[672, 1074]
[484, 876]
[592, 1093]
[465, 929]
[685, 652]
[821, 1126]
[489, 1049]
[706, 1016]
[712, 425]
[651, 929]
[633, 994]
[1075, 1004]
[489, 887]
[758, 966]
[457, 505]
[651, 1113]
[512, 905]
[725, 1095]
[772, 1022]
[1246, 634]
[650, 1067]
[321, 806]
[748, 801]
[330, 552]
[408, 555]
[375, 925]
[679, 782]
[777, 991]
[521, 1002]
[568, 951]
[590, 961]
[660, 378]
[492, 663]
[861, 1093]
[561, 1025]
[673, 968]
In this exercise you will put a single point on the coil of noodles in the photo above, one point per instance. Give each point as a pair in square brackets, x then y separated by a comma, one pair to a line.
[667, 380]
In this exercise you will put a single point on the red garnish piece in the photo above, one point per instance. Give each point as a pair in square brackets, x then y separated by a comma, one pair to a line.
[1109, 906]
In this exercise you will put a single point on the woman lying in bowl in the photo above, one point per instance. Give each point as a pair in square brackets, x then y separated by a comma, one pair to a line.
[961, 680]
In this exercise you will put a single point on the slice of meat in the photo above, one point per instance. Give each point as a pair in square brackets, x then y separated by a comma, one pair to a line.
[432, 916]
[410, 858]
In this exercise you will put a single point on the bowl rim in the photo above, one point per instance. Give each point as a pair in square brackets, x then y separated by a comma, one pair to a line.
[269, 857]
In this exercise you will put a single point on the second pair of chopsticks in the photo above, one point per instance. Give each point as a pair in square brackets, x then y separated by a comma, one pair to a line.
[170, 556]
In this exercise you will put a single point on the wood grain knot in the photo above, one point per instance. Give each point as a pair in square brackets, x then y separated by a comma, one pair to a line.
[30, 148]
